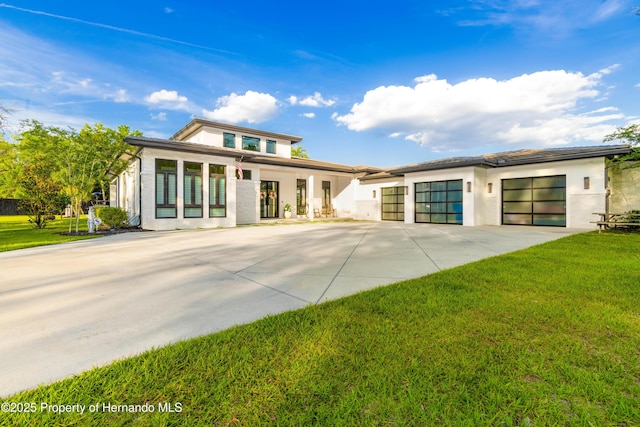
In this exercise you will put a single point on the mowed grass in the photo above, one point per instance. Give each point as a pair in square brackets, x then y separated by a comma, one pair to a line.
[549, 335]
[17, 233]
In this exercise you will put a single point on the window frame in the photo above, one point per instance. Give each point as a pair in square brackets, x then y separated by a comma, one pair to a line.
[225, 141]
[214, 193]
[271, 146]
[255, 141]
[191, 199]
[166, 193]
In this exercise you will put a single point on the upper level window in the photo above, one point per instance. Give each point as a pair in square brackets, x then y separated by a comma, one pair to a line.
[250, 143]
[271, 146]
[166, 188]
[229, 140]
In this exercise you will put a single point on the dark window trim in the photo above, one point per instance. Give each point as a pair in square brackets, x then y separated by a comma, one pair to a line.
[166, 189]
[216, 177]
[192, 197]
[252, 137]
[301, 196]
[271, 146]
[224, 142]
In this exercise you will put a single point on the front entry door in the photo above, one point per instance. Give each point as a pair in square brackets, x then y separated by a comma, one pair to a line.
[268, 199]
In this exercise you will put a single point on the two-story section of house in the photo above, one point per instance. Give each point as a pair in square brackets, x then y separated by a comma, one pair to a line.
[213, 174]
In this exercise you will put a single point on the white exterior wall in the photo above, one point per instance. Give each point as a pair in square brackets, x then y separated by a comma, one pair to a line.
[149, 220]
[214, 137]
[247, 202]
[581, 202]
[369, 206]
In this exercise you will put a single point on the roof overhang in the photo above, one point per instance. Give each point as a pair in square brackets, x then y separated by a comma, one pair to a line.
[196, 124]
[245, 156]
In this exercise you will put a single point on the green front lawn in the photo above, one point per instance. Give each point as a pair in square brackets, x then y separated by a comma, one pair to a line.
[16, 232]
[549, 335]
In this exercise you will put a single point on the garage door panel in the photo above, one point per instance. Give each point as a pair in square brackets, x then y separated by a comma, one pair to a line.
[549, 207]
[439, 202]
[534, 201]
[549, 194]
[516, 195]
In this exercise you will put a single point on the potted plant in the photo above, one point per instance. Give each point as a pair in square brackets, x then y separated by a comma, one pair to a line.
[287, 211]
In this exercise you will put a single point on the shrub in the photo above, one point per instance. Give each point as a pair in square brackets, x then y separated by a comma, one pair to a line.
[113, 217]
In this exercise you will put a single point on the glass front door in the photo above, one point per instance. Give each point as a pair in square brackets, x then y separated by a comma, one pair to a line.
[269, 199]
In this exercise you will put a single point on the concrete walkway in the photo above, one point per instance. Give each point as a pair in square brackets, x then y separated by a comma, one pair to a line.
[69, 307]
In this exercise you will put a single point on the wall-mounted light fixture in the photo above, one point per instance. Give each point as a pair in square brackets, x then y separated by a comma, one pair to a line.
[374, 194]
[406, 190]
[586, 182]
[490, 187]
[468, 186]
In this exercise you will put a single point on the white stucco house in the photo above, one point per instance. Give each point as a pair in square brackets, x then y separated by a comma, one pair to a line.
[213, 174]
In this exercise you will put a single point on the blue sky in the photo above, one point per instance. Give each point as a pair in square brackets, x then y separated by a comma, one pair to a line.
[363, 82]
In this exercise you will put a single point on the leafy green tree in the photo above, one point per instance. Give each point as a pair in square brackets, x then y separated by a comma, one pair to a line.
[299, 151]
[9, 170]
[79, 161]
[628, 135]
[38, 194]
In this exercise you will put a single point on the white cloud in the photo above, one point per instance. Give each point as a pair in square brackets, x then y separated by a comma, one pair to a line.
[312, 101]
[540, 17]
[638, 85]
[532, 109]
[252, 107]
[121, 95]
[309, 115]
[168, 10]
[161, 117]
[165, 96]
[169, 99]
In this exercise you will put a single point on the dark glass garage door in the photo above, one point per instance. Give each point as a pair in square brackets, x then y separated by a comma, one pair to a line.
[439, 202]
[535, 201]
[393, 204]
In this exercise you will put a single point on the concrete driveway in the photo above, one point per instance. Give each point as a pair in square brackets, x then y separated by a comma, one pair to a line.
[69, 307]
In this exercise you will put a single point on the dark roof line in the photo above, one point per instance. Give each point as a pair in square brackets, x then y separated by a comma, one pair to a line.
[514, 158]
[496, 160]
[246, 156]
[197, 123]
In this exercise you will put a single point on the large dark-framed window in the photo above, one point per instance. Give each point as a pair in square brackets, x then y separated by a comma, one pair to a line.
[166, 188]
[192, 190]
[439, 202]
[217, 191]
[228, 140]
[326, 195]
[535, 201]
[301, 196]
[271, 146]
[250, 143]
[393, 203]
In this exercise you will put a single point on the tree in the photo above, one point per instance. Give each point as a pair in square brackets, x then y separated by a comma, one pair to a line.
[629, 135]
[9, 170]
[39, 194]
[299, 151]
[78, 161]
